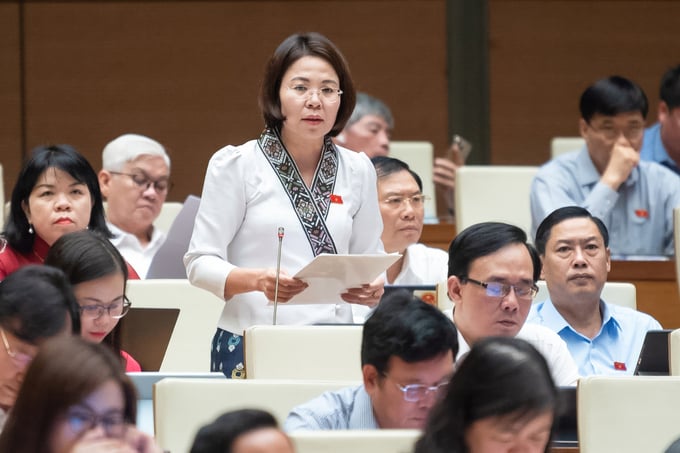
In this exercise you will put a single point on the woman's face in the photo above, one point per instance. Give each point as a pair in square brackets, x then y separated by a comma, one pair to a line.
[309, 99]
[58, 204]
[106, 292]
[507, 435]
[100, 416]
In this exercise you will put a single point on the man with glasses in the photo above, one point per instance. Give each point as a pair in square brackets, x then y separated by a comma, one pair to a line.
[407, 357]
[36, 304]
[634, 199]
[492, 282]
[135, 180]
[603, 338]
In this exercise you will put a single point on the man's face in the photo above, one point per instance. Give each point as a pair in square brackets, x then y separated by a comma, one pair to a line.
[371, 134]
[670, 130]
[15, 356]
[402, 221]
[478, 315]
[603, 132]
[390, 408]
[576, 262]
[130, 207]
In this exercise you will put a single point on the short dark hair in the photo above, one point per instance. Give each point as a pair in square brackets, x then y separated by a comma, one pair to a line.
[220, 435]
[289, 51]
[386, 166]
[499, 377]
[559, 215]
[669, 90]
[35, 301]
[483, 239]
[67, 159]
[612, 96]
[64, 373]
[406, 327]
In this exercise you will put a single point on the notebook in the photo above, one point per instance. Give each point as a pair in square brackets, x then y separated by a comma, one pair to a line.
[146, 334]
[167, 262]
[654, 358]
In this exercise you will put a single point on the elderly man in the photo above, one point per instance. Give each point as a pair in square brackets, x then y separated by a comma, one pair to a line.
[492, 281]
[407, 354]
[603, 338]
[634, 199]
[36, 304]
[135, 180]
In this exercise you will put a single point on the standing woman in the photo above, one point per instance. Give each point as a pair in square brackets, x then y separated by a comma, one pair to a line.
[98, 274]
[56, 192]
[292, 176]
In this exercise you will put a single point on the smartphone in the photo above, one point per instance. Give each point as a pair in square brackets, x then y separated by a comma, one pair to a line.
[464, 146]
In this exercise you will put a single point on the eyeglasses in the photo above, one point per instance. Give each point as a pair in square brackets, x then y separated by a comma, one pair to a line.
[416, 201]
[115, 310]
[610, 132]
[19, 358]
[327, 94]
[81, 420]
[496, 289]
[143, 181]
[413, 393]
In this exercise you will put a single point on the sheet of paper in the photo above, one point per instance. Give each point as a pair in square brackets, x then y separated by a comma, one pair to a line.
[330, 275]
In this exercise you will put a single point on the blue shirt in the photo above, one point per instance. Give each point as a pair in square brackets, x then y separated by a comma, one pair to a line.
[639, 216]
[618, 342]
[654, 151]
[347, 408]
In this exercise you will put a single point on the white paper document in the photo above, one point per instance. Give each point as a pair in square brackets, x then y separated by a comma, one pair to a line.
[330, 275]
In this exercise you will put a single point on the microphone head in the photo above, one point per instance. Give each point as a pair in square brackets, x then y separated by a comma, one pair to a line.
[280, 233]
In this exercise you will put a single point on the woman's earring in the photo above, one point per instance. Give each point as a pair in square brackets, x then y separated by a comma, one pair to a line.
[30, 228]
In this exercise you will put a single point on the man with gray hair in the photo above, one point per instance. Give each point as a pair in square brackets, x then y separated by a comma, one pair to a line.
[134, 180]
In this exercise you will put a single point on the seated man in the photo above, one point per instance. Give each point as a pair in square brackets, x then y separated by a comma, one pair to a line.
[407, 355]
[400, 194]
[36, 304]
[492, 281]
[662, 140]
[134, 180]
[602, 338]
[634, 199]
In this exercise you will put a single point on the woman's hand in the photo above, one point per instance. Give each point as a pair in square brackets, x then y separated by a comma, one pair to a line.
[368, 294]
[288, 286]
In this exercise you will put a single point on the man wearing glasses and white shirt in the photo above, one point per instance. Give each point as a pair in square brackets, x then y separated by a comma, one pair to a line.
[408, 350]
[135, 180]
[492, 282]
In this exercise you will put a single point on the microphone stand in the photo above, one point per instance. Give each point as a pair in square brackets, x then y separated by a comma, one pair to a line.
[278, 272]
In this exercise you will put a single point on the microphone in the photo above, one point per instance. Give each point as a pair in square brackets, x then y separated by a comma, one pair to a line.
[278, 272]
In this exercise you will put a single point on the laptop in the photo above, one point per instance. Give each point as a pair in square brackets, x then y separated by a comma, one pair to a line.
[167, 262]
[654, 355]
[146, 333]
[566, 428]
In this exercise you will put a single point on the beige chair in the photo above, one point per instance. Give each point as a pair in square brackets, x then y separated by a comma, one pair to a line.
[627, 414]
[676, 239]
[303, 352]
[374, 441]
[189, 346]
[420, 158]
[493, 193]
[561, 145]
[182, 406]
[617, 293]
[674, 352]
[167, 215]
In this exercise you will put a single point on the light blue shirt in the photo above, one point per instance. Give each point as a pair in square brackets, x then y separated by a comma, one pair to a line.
[618, 341]
[654, 151]
[347, 408]
[639, 216]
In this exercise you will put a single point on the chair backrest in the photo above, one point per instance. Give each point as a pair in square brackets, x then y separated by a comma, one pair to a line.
[367, 441]
[167, 215]
[561, 145]
[182, 406]
[303, 352]
[627, 414]
[189, 346]
[420, 158]
[493, 193]
[674, 353]
[617, 293]
[676, 238]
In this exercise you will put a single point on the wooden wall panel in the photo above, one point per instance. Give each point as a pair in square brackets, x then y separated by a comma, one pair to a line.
[543, 54]
[10, 99]
[187, 73]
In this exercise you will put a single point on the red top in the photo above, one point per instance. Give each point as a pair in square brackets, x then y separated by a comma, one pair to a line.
[130, 363]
